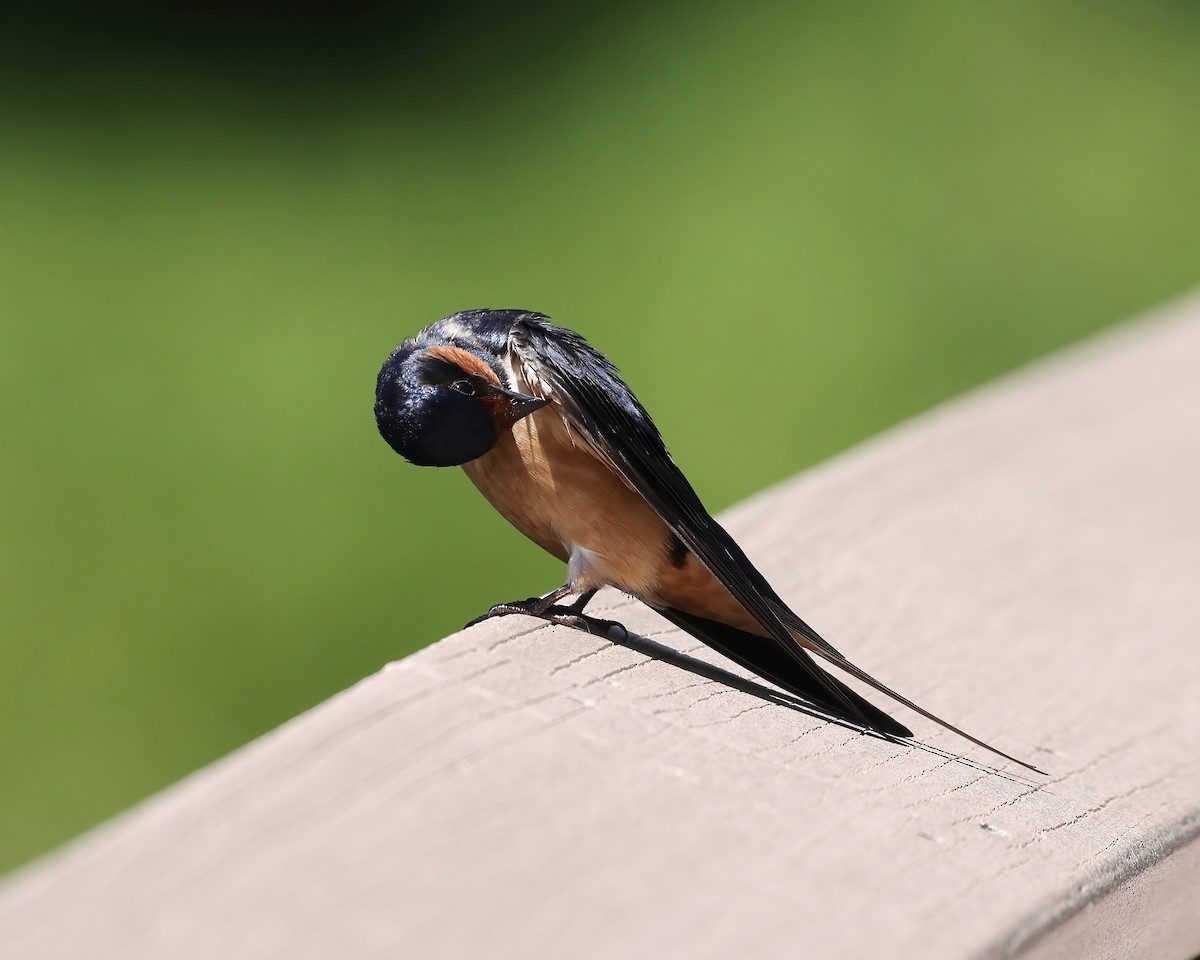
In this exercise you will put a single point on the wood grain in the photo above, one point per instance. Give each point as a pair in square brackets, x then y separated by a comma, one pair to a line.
[1024, 561]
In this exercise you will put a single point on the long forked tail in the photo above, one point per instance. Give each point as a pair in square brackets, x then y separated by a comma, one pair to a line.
[798, 675]
[811, 640]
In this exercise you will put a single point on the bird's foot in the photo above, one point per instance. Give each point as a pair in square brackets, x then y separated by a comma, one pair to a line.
[544, 608]
[533, 607]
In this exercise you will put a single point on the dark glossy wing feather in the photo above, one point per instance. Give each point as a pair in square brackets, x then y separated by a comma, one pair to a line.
[611, 421]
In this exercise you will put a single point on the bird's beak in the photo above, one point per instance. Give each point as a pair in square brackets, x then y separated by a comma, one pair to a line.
[522, 406]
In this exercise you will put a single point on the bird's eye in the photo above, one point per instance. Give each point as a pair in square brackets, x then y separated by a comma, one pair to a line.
[465, 387]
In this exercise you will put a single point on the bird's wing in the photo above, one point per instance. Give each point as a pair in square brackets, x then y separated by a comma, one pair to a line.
[608, 418]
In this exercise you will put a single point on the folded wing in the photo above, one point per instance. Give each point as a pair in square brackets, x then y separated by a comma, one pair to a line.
[608, 418]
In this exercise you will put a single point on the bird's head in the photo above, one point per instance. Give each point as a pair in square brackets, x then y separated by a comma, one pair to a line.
[439, 405]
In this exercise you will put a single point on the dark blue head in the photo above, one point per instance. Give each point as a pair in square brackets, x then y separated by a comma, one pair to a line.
[439, 405]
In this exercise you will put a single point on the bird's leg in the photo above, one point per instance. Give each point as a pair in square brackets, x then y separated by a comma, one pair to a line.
[547, 608]
[573, 616]
[533, 607]
[577, 607]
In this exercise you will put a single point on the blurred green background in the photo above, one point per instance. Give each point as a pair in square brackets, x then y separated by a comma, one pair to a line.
[216, 223]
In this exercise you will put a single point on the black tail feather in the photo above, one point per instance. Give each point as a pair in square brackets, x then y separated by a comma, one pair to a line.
[800, 676]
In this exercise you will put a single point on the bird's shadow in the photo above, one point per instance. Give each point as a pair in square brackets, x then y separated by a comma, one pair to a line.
[621, 636]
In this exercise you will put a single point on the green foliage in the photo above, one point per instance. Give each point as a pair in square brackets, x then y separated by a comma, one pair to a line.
[790, 225]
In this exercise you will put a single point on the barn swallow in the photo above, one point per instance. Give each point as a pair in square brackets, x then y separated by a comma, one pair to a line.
[546, 429]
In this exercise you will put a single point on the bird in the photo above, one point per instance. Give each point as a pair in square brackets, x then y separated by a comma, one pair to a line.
[544, 426]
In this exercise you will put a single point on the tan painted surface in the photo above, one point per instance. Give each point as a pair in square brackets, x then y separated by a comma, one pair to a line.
[1025, 561]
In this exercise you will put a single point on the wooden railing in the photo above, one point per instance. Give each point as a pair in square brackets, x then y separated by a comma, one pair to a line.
[1024, 561]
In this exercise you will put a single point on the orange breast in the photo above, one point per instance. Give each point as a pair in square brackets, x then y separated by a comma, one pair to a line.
[558, 494]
